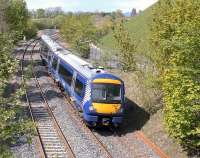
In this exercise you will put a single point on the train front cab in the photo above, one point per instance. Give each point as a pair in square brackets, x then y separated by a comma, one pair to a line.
[106, 106]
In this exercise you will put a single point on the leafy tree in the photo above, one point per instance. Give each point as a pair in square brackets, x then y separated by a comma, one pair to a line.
[117, 15]
[40, 13]
[12, 123]
[126, 46]
[17, 16]
[79, 31]
[58, 20]
[31, 30]
[3, 24]
[176, 39]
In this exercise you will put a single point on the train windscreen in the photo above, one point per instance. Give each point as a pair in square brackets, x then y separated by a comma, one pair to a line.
[106, 93]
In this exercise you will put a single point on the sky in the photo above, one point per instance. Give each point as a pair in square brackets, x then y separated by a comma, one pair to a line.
[91, 5]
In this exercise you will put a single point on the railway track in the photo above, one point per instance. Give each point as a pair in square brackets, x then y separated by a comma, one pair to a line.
[78, 121]
[75, 115]
[139, 135]
[51, 139]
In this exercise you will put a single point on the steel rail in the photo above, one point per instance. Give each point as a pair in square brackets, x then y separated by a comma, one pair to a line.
[80, 121]
[40, 147]
[55, 123]
[84, 126]
[140, 135]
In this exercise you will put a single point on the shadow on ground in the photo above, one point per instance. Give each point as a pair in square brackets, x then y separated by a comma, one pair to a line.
[10, 89]
[35, 96]
[135, 118]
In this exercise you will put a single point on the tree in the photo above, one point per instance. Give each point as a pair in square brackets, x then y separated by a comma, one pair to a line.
[175, 38]
[17, 16]
[126, 46]
[117, 15]
[40, 13]
[3, 24]
[79, 31]
[13, 123]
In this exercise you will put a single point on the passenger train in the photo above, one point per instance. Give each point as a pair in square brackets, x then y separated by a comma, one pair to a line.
[97, 94]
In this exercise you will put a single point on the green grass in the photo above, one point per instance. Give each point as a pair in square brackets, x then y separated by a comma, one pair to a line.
[139, 28]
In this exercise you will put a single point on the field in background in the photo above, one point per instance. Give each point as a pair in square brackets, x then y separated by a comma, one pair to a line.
[138, 28]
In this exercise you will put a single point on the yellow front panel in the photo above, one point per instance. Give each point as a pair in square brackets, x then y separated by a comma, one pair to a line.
[104, 80]
[106, 108]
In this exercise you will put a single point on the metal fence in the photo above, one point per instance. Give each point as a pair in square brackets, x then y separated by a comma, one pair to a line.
[104, 57]
[110, 59]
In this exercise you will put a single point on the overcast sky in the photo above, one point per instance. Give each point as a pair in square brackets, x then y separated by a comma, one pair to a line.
[91, 5]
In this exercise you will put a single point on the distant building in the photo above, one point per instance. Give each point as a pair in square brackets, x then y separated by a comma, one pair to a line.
[134, 12]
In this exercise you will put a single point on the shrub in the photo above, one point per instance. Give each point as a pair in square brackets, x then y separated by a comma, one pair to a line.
[31, 30]
[175, 37]
[13, 123]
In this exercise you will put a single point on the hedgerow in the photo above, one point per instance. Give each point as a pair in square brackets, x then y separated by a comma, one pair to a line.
[176, 40]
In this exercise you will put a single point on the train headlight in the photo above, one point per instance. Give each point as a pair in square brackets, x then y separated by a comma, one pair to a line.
[92, 109]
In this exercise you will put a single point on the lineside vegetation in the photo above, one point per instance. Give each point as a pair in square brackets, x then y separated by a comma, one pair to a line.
[176, 40]
[171, 47]
[13, 122]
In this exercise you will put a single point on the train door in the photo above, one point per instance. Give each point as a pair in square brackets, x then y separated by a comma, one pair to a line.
[79, 89]
[54, 67]
[73, 85]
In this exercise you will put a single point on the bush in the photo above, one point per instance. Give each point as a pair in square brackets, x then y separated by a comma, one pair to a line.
[126, 46]
[182, 111]
[17, 16]
[13, 123]
[45, 23]
[79, 31]
[31, 30]
[175, 37]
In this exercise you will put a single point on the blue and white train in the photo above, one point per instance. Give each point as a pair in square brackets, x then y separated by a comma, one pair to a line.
[97, 94]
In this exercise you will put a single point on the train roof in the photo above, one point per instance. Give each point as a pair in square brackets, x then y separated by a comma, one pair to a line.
[54, 46]
[82, 66]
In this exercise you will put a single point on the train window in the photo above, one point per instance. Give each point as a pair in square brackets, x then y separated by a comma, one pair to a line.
[67, 75]
[79, 88]
[106, 93]
[49, 57]
[54, 64]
